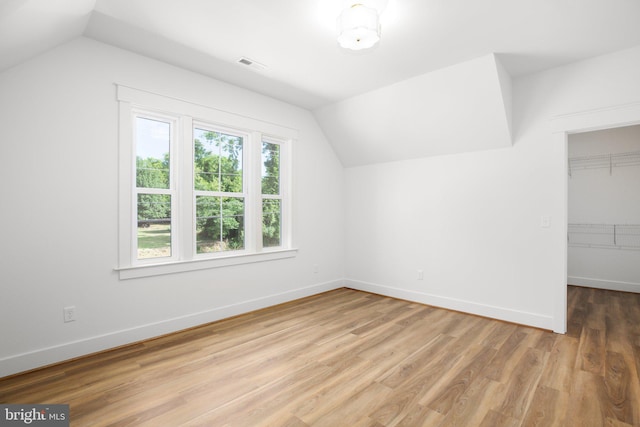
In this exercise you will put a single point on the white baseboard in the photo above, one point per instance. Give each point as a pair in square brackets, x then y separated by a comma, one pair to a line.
[500, 313]
[604, 284]
[50, 355]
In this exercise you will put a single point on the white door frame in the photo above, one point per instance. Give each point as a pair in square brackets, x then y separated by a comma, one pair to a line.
[561, 127]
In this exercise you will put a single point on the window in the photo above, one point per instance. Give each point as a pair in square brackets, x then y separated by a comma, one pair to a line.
[154, 187]
[271, 195]
[219, 190]
[199, 188]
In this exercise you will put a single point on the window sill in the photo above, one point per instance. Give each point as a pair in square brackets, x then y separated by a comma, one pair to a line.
[148, 270]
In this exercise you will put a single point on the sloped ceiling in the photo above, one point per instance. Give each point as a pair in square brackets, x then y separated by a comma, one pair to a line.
[295, 39]
[465, 107]
[29, 28]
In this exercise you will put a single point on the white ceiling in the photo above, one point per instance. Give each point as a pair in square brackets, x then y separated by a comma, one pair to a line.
[296, 40]
[306, 67]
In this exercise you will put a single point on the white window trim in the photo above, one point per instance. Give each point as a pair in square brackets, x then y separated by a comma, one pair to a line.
[184, 114]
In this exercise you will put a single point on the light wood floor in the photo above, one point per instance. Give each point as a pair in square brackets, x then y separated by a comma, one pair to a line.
[348, 358]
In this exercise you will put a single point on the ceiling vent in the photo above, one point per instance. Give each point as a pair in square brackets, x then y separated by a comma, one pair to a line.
[252, 64]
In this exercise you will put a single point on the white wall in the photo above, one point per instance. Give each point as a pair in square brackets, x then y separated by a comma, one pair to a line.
[597, 196]
[472, 222]
[59, 178]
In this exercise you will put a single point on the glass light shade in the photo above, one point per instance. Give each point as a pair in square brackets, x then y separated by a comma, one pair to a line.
[359, 27]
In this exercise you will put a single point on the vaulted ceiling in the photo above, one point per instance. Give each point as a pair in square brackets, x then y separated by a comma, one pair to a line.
[295, 40]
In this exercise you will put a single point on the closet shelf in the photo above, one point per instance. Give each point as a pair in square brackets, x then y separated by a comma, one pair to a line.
[607, 236]
[609, 161]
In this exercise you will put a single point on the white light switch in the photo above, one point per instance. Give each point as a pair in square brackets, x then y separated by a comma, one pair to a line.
[545, 222]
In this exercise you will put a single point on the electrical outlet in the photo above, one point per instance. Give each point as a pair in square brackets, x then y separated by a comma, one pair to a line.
[420, 275]
[315, 268]
[69, 314]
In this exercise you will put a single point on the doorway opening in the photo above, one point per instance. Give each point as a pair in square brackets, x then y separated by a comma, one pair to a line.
[563, 126]
[604, 209]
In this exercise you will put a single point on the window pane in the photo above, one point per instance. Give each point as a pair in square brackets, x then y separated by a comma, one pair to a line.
[219, 224]
[270, 168]
[153, 139]
[271, 218]
[154, 226]
[218, 161]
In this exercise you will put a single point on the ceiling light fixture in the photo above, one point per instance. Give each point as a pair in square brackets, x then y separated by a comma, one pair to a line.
[359, 24]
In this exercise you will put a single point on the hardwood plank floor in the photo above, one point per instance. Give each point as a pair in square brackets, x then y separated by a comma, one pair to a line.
[348, 358]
